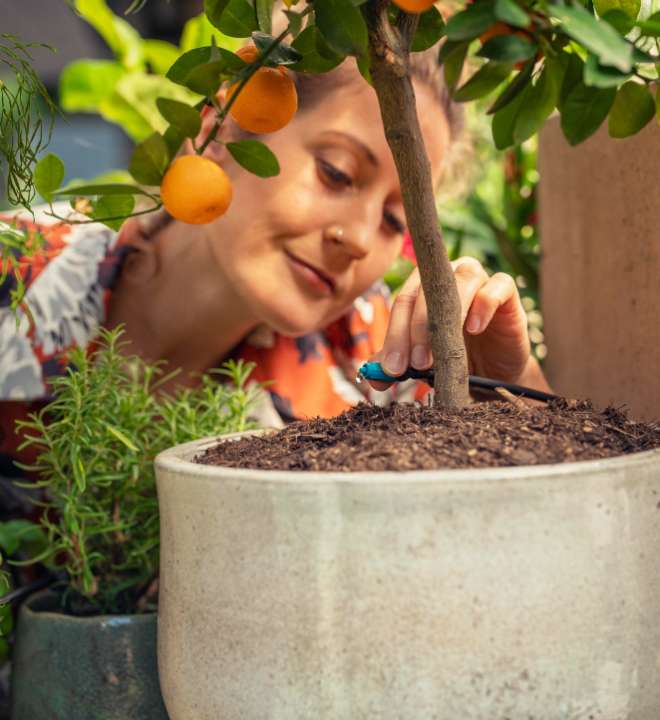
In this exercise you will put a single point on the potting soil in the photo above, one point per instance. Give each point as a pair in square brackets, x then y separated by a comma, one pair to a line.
[413, 437]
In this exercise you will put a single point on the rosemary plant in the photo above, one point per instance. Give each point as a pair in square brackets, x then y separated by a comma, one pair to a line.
[96, 443]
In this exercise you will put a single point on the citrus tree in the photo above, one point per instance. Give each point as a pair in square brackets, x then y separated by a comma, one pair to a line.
[592, 63]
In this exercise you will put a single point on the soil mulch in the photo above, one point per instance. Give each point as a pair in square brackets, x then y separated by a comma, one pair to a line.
[412, 437]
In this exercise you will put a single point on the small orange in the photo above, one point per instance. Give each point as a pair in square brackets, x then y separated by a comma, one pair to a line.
[415, 6]
[500, 28]
[267, 102]
[195, 190]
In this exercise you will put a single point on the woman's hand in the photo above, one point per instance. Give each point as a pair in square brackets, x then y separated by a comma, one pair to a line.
[494, 325]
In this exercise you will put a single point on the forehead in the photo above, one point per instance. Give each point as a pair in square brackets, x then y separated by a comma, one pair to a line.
[352, 106]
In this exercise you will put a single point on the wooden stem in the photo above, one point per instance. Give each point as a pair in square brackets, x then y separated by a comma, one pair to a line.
[389, 51]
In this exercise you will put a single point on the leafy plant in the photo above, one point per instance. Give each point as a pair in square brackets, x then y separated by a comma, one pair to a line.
[96, 444]
[16, 243]
[18, 538]
[26, 118]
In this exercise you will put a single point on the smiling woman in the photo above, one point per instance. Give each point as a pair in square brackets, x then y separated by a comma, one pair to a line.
[288, 277]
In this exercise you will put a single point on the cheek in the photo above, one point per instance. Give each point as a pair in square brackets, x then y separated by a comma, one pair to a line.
[373, 267]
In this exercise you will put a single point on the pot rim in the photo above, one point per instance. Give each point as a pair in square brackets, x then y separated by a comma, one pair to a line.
[106, 619]
[178, 459]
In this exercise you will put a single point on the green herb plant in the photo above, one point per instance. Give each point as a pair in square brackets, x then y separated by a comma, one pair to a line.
[96, 443]
[26, 118]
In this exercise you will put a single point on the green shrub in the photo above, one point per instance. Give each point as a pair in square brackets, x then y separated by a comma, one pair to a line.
[96, 444]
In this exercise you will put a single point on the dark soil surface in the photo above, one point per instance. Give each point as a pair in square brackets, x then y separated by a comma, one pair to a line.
[412, 437]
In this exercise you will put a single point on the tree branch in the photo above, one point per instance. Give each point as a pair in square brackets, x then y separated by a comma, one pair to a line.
[396, 97]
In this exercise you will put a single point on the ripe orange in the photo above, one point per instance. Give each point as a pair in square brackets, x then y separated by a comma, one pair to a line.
[267, 102]
[500, 28]
[415, 6]
[195, 190]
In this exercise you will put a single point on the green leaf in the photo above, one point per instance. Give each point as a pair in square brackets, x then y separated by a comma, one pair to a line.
[471, 22]
[160, 55]
[342, 26]
[264, 10]
[597, 75]
[430, 28]
[140, 93]
[149, 160]
[181, 115]
[307, 44]
[651, 26]
[84, 84]
[453, 62]
[597, 36]
[295, 22]
[255, 157]
[121, 437]
[113, 206]
[198, 32]
[124, 41]
[174, 139]
[484, 81]
[633, 108]
[573, 74]
[184, 68]
[102, 189]
[583, 111]
[504, 121]
[283, 54]
[14, 533]
[48, 175]
[236, 18]
[508, 48]
[514, 88]
[541, 99]
[621, 22]
[630, 7]
[116, 109]
[511, 13]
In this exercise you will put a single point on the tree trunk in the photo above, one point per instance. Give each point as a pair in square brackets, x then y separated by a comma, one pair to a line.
[389, 48]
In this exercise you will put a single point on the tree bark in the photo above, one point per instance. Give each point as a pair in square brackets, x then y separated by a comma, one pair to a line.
[389, 50]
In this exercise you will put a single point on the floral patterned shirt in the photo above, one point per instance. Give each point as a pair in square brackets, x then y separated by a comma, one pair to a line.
[68, 285]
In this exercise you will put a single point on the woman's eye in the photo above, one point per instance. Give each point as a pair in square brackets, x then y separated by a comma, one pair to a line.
[333, 176]
[393, 222]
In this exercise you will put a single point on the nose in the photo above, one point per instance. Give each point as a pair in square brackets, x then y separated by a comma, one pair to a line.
[354, 236]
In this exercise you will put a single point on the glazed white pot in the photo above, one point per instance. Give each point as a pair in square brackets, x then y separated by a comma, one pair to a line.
[527, 593]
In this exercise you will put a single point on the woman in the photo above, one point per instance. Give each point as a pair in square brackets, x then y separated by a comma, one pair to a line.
[288, 277]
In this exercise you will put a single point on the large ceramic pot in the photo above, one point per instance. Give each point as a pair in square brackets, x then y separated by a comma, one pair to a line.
[526, 593]
[95, 668]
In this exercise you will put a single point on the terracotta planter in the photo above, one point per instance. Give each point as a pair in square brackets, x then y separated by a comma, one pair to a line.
[96, 668]
[518, 593]
[600, 235]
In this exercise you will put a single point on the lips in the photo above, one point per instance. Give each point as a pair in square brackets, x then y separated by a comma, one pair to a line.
[312, 273]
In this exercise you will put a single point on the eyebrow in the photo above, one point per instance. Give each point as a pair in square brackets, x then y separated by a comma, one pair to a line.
[364, 149]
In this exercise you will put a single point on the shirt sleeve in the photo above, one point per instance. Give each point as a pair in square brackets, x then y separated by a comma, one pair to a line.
[62, 306]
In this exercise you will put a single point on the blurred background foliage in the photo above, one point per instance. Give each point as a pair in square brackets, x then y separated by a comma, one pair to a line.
[109, 68]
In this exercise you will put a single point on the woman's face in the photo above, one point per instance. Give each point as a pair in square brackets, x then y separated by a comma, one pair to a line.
[300, 247]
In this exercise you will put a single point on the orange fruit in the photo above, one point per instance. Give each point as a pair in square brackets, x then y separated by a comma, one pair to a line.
[195, 190]
[415, 6]
[500, 28]
[267, 102]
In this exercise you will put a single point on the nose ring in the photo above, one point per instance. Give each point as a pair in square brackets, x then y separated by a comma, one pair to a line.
[336, 233]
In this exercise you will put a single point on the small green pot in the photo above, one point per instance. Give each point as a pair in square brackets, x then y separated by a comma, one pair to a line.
[90, 668]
